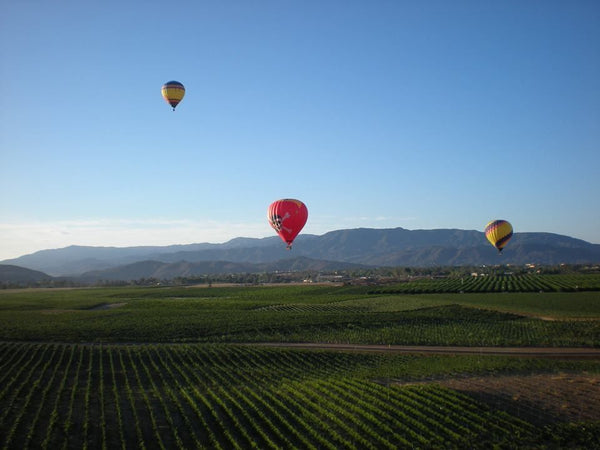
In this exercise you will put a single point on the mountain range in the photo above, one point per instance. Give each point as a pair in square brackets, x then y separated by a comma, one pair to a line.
[340, 249]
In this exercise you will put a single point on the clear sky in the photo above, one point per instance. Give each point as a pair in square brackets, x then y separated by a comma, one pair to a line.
[381, 114]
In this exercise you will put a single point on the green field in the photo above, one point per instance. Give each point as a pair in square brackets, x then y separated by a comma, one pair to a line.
[300, 314]
[509, 282]
[176, 368]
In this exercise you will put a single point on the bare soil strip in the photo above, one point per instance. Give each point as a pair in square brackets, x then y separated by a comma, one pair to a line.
[545, 352]
[540, 399]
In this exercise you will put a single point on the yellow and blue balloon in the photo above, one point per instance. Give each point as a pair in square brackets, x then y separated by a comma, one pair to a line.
[173, 92]
[498, 232]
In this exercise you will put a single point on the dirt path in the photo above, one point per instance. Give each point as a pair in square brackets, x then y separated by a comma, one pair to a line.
[545, 352]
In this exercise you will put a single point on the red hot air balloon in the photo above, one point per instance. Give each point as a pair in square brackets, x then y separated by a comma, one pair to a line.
[287, 217]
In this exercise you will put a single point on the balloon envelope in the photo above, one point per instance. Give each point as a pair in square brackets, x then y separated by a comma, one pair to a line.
[498, 232]
[287, 217]
[173, 92]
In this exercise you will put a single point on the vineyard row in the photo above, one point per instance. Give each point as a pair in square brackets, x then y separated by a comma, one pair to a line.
[498, 283]
[203, 396]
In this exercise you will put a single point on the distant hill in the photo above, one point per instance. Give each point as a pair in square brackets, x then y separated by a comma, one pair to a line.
[76, 259]
[10, 274]
[168, 271]
[363, 246]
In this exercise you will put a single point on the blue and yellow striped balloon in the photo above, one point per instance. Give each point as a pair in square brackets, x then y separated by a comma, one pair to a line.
[498, 232]
[173, 92]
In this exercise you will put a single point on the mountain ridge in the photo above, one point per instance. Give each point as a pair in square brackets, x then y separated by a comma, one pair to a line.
[362, 246]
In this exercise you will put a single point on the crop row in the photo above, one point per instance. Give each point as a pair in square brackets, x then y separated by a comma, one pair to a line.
[455, 325]
[498, 283]
[204, 396]
[388, 323]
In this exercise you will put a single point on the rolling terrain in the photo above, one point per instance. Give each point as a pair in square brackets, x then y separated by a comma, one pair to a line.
[299, 367]
[363, 247]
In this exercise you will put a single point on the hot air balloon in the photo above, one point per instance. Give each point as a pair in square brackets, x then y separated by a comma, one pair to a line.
[287, 217]
[173, 92]
[498, 232]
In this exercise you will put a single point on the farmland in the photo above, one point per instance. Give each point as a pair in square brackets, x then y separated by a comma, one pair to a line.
[508, 282]
[176, 367]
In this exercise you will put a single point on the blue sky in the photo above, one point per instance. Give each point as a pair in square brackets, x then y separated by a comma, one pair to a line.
[413, 114]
